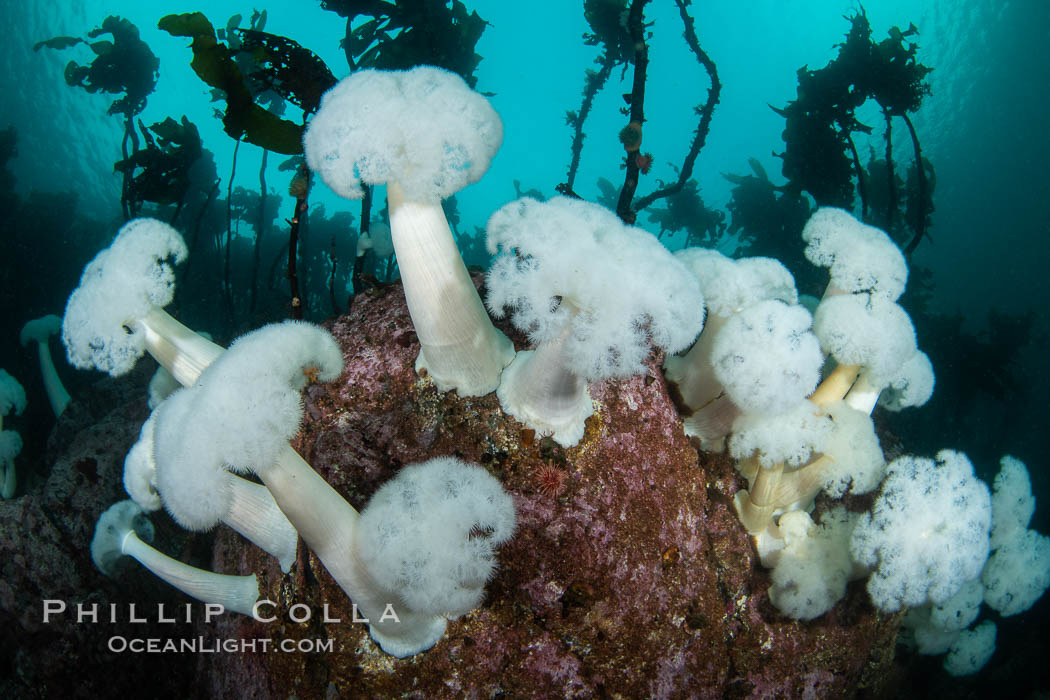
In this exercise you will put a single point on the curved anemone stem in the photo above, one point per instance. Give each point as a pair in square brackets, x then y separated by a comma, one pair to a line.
[236, 593]
[712, 422]
[459, 347]
[10, 481]
[57, 395]
[836, 385]
[748, 467]
[709, 413]
[253, 512]
[541, 391]
[175, 347]
[692, 372]
[327, 524]
[756, 507]
[255, 515]
[10, 446]
[40, 330]
[800, 487]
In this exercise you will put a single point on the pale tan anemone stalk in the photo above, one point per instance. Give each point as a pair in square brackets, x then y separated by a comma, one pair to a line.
[862, 260]
[775, 489]
[252, 510]
[425, 134]
[756, 506]
[40, 330]
[178, 349]
[540, 390]
[729, 286]
[327, 524]
[459, 347]
[115, 536]
[836, 385]
[853, 251]
[274, 363]
[712, 413]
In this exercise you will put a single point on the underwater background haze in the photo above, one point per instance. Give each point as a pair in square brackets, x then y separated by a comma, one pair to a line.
[978, 287]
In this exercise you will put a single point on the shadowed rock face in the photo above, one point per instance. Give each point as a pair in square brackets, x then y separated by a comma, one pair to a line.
[45, 538]
[629, 573]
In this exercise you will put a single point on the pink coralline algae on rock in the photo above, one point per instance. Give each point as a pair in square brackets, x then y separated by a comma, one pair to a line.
[629, 574]
[632, 578]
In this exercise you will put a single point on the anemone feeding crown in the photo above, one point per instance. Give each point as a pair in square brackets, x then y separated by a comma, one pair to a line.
[423, 128]
[426, 135]
[118, 288]
[566, 261]
[593, 294]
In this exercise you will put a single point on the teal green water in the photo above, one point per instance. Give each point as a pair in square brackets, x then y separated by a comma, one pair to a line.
[982, 126]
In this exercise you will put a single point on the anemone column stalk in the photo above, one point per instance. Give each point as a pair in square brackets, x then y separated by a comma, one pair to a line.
[541, 391]
[459, 346]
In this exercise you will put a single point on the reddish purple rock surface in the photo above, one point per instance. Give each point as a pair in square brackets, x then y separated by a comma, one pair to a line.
[629, 574]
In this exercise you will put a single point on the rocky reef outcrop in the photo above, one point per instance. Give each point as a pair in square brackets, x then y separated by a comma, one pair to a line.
[629, 575]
